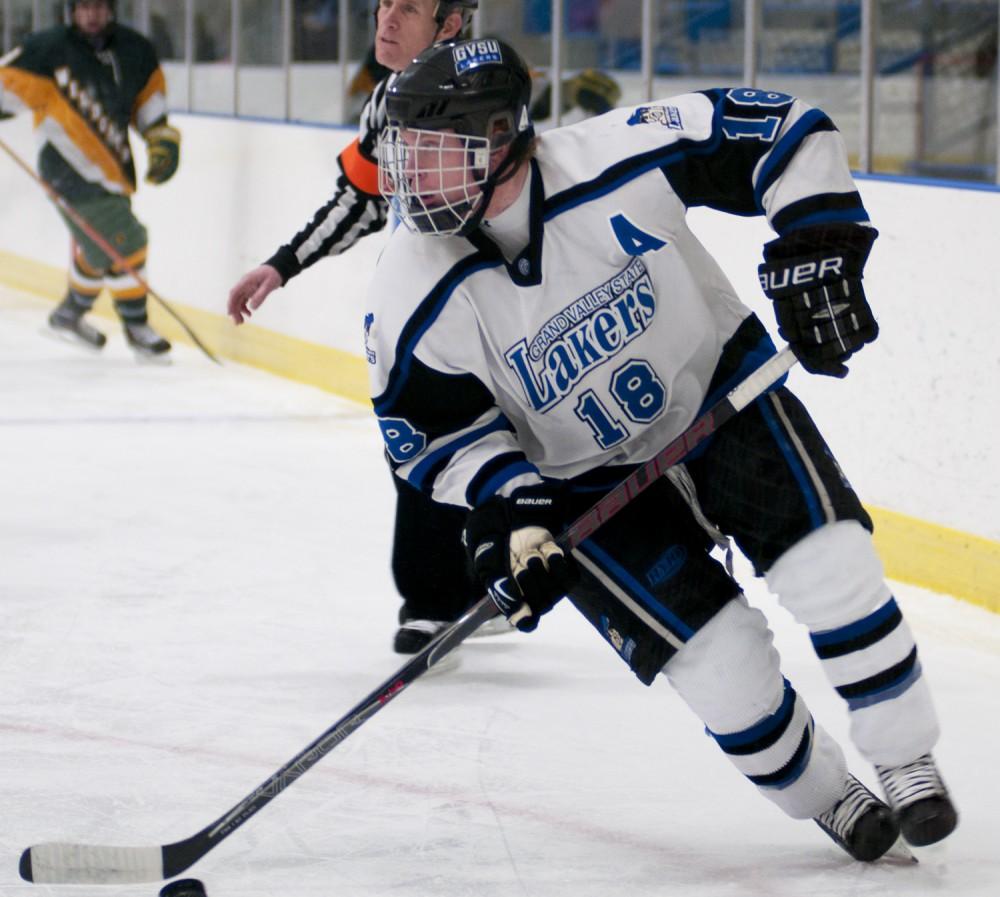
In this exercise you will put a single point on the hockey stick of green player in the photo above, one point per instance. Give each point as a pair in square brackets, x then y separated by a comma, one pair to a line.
[106, 246]
[65, 863]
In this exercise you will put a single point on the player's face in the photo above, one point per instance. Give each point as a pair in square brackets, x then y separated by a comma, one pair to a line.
[441, 168]
[92, 16]
[404, 28]
[434, 179]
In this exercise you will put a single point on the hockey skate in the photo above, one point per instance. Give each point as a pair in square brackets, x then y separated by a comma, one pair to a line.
[860, 823]
[66, 321]
[919, 800]
[145, 342]
[415, 635]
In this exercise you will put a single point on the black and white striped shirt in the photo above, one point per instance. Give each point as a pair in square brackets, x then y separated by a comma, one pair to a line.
[355, 209]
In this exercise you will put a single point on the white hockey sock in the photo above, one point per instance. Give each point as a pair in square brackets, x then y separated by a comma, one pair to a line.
[728, 673]
[832, 581]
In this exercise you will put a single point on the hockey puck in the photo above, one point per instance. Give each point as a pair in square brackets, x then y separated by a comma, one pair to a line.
[183, 887]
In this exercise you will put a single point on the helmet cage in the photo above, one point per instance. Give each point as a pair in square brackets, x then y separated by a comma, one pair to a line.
[473, 93]
[437, 182]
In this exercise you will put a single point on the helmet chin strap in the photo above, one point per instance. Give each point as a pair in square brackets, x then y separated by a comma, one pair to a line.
[505, 171]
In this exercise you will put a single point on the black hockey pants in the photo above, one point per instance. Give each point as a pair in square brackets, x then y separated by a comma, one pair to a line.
[766, 479]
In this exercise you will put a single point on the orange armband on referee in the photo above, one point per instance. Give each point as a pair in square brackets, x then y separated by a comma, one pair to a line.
[361, 171]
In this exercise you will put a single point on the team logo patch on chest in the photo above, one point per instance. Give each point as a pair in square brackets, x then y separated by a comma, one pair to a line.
[586, 333]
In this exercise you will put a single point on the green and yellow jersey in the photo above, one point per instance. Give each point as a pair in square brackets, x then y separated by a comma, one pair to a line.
[84, 100]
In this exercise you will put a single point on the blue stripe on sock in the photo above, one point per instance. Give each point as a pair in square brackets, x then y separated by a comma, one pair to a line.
[793, 769]
[853, 630]
[887, 692]
[768, 729]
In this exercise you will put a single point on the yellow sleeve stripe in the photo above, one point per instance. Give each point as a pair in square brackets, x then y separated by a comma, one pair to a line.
[32, 90]
[156, 84]
[41, 95]
[84, 139]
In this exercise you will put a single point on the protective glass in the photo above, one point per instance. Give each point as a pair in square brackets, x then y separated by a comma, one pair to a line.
[433, 179]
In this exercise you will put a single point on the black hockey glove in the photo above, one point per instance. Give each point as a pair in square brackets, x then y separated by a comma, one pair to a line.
[813, 275]
[515, 555]
[164, 145]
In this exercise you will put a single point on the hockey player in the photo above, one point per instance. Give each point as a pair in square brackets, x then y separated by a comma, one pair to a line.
[428, 564]
[561, 324]
[86, 83]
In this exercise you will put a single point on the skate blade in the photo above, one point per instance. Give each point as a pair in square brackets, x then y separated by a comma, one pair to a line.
[933, 856]
[70, 338]
[900, 853]
[162, 359]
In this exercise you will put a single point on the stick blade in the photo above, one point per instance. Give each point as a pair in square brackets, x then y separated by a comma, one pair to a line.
[59, 863]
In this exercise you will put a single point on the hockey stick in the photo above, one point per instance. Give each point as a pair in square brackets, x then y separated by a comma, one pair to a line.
[105, 246]
[64, 863]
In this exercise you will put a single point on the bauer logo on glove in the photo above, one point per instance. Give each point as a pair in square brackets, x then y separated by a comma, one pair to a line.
[801, 275]
[813, 276]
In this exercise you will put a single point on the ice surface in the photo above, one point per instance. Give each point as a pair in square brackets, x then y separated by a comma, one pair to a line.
[194, 584]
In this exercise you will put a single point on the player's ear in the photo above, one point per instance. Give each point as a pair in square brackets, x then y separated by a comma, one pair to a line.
[451, 27]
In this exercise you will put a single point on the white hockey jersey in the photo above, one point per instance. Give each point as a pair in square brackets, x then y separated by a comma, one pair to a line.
[599, 343]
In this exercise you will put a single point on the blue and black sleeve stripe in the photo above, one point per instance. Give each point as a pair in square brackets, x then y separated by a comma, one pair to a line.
[823, 208]
[494, 473]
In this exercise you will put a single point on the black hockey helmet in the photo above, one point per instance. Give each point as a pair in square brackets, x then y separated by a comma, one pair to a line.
[479, 88]
[446, 7]
[477, 91]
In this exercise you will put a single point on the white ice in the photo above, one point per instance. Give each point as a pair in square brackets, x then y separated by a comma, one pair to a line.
[194, 584]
